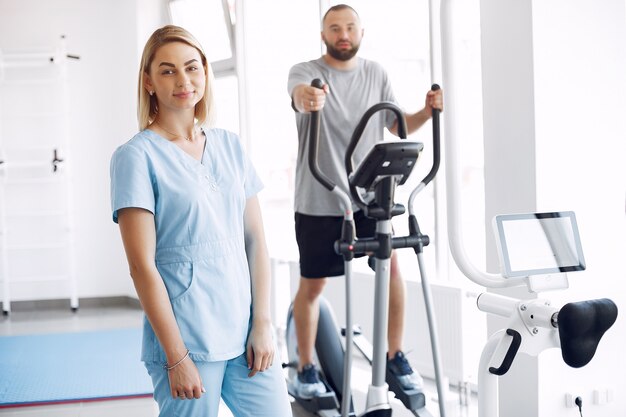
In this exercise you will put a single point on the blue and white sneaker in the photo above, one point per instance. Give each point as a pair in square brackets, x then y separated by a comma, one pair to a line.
[408, 378]
[307, 384]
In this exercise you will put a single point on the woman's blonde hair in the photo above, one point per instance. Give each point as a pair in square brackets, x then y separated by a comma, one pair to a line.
[147, 107]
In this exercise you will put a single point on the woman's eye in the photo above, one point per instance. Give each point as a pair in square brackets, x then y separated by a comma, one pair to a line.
[167, 72]
[192, 68]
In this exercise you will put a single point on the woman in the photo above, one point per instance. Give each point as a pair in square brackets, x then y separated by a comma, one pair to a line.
[185, 200]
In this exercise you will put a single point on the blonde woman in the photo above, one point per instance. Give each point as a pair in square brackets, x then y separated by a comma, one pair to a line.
[184, 195]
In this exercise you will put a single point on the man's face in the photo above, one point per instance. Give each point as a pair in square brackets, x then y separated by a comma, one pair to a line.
[342, 34]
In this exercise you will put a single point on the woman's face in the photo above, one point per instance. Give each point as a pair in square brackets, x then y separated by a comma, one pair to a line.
[177, 77]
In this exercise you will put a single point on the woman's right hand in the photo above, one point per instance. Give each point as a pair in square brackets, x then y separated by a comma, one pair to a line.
[185, 381]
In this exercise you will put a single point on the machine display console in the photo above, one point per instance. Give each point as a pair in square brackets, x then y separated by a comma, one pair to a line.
[538, 243]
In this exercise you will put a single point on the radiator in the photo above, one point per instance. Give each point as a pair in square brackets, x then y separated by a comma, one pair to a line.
[461, 327]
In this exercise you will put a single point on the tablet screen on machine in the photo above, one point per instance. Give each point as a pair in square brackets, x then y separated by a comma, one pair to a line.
[538, 243]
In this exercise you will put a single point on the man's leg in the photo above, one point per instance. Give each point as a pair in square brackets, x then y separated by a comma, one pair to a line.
[306, 315]
[397, 296]
[397, 362]
[315, 236]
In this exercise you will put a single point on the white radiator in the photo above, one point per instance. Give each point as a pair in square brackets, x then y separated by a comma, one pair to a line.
[461, 327]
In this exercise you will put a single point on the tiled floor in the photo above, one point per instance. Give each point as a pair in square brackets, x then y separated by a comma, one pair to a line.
[119, 313]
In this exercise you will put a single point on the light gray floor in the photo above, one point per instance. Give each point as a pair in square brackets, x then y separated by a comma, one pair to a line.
[55, 317]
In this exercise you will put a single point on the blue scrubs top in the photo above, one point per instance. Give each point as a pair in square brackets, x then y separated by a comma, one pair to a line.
[198, 209]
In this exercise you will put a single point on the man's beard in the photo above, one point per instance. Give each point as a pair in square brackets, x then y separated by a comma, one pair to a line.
[343, 55]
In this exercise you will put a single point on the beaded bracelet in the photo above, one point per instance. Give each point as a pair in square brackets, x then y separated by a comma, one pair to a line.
[169, 368]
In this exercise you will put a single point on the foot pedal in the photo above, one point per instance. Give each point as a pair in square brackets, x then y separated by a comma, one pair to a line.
[326, 401]
[412, 399]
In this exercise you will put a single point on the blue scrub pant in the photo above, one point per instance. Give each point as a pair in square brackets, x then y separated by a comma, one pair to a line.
[263, 395]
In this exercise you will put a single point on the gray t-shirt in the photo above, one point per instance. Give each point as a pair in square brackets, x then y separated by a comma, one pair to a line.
[352, 92]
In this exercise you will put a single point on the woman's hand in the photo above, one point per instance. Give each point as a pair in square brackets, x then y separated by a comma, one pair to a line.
[185, 381]
[260, 347]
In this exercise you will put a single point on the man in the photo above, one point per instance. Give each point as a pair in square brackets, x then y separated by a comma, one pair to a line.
[351, 86]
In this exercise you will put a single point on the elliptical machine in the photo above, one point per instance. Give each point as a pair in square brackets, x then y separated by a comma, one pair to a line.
[386, 166]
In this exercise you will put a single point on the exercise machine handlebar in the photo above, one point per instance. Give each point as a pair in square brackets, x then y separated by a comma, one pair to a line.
[356, 135]
[314, 144]
[314, 133]
[436, 142]
[436, 159]
[371, 245]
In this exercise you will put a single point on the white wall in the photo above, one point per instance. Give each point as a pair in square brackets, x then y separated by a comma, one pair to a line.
[554, 82]
[509, 162]
[580, 90]
[103, 113]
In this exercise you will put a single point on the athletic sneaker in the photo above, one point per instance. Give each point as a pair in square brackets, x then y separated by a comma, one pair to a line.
[308, 384]
[399, 366]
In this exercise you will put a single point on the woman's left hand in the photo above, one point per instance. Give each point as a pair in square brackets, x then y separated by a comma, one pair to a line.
[260, 348]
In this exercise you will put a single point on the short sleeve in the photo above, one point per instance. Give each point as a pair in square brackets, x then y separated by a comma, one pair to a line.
[131, 180]
[390, 117]
[252, 182]
[299, 74]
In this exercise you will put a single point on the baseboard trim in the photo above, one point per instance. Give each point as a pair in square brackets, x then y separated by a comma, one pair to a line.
[88, 302]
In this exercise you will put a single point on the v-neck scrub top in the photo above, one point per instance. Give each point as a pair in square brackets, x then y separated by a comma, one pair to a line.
[198, 209]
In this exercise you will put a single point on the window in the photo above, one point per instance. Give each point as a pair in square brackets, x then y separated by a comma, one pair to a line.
[212, 23]
[396, 35]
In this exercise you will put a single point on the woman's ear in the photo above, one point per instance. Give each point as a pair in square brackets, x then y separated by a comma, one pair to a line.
[147, 84]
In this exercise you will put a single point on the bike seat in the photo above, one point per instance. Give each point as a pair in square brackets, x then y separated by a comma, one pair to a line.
[581, 326]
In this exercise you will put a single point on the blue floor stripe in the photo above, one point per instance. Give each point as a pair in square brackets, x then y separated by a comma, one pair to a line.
[71, 367]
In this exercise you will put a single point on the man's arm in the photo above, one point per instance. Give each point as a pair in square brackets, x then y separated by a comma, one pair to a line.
[434, 100]
[306, 98]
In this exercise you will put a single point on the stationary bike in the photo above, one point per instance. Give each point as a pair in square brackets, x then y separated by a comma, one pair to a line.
[386, 166]
[536, 251]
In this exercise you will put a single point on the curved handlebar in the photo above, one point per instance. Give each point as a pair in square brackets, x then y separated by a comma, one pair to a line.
[358, 131]
[314, 135]
[436, 155]
[436, 142]
[510, 354]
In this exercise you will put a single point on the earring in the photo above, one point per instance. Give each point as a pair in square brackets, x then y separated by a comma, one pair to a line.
[151, 92]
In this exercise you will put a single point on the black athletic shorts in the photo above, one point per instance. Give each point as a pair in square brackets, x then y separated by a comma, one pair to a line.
[316, 236]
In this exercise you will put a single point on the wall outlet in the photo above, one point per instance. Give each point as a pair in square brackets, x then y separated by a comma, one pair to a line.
[570, 400]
